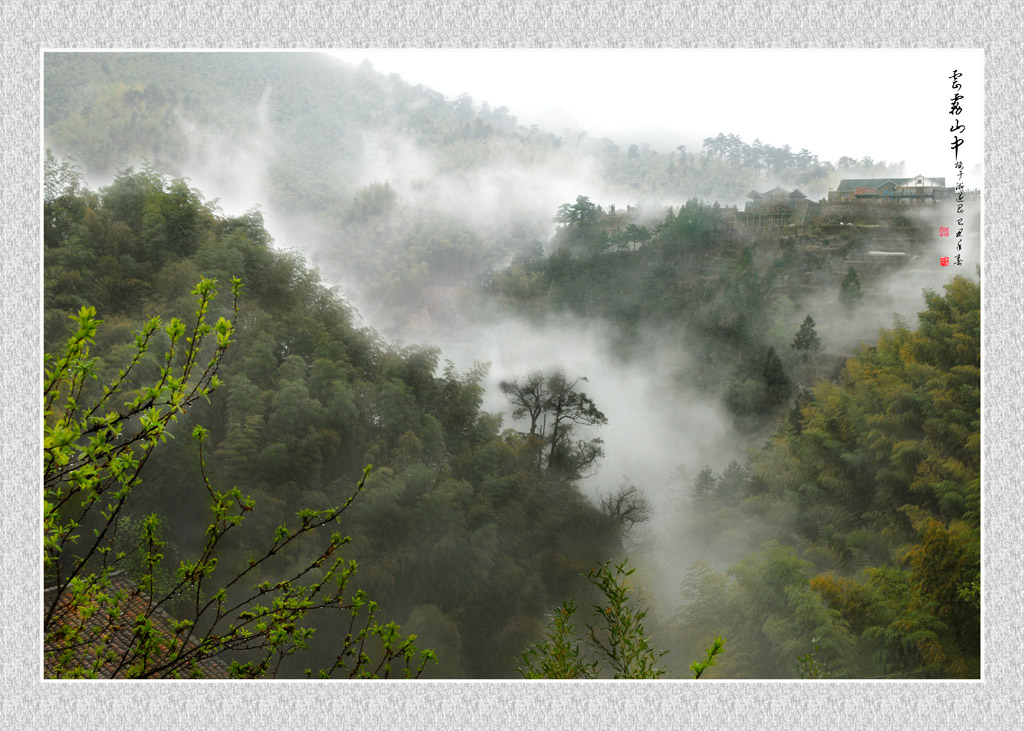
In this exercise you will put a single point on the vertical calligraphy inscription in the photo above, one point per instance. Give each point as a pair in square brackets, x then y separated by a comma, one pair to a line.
[957, 129]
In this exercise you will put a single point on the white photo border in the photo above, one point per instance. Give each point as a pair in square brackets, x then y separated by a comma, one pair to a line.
[29, 702]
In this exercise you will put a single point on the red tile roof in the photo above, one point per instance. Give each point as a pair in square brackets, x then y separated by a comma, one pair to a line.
[110, 630]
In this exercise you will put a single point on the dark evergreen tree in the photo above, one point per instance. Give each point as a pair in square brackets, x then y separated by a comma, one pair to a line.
[580, 213]
[732, 485]
[849, 292]
[635, 234]
[775, 378]
[806, 340]
[704, 485]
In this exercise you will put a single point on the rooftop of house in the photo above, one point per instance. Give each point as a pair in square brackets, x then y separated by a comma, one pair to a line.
[777, 193]
[851, 184]
[117, 627]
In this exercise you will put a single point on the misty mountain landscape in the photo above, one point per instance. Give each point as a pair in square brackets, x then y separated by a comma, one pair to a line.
[475, 399]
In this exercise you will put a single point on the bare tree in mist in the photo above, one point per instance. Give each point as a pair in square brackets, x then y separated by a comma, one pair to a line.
[627, 506]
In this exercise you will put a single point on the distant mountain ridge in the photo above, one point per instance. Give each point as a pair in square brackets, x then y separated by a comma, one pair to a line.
[109, 110]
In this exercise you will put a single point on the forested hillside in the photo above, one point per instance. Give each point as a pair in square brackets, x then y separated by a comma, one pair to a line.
[851, 537]
[862, 514]
[114, 109]
[461, 533]
[394, 191]
[619, 363]
[733, 292]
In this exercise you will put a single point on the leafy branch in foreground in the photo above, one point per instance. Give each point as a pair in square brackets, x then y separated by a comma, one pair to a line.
[617, 641]
[700, 666]
[95, 448]
[620, 637]
[811, 667]
[560, 655]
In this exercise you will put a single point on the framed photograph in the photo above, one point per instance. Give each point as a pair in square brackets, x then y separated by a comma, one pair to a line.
[450, 372]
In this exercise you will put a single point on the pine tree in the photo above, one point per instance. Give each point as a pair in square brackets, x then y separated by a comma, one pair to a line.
[806, 339]
[849, 292]
[704, 485]
[732, 485]
[775, 378]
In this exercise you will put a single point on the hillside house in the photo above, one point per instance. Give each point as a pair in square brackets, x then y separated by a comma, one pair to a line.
[917, 189]
[775, 197]
[774, 208]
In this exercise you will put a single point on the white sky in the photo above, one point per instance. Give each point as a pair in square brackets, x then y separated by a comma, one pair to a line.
[887, 104]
